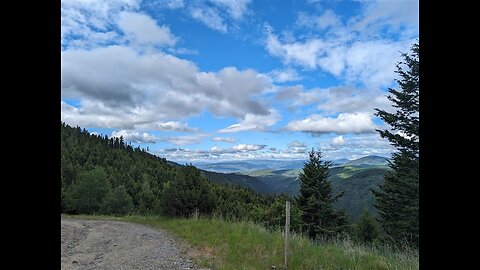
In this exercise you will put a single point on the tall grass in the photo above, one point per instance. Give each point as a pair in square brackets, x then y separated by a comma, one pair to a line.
[220, 244]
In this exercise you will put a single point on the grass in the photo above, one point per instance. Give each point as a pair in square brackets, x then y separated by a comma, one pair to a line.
[220, 244]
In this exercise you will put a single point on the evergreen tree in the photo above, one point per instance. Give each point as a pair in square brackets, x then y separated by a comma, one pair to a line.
[118, 203]
[87, 194]
[397, 200]
[319, 218]
[189, 191]
[366, 230]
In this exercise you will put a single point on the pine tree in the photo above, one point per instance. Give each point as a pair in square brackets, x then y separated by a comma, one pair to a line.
[118, 203]
[316, 199]
[189, 191]
[366, 230]
[87, 194]
[397, 200]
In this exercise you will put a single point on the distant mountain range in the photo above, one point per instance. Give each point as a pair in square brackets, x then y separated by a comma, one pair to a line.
[368, 161]
[242, 166]
[249, 165]
[355, 178]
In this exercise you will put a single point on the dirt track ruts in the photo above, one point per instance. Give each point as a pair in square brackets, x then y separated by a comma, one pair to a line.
[88, 244]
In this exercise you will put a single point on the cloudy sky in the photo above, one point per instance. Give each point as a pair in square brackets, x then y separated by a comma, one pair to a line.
[234, 79]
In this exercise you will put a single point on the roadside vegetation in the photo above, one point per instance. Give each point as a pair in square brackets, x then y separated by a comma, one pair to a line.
[221, 244]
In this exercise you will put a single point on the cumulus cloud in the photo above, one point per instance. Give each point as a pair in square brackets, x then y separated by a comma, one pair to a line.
[90, 24]
[289, 93]
[296, 144]
[358, 146]
[346, 49]
[342, 124]
[142, 29]
[354, 147]
[134, 136]
[147, 88]
[248, 147]
[185, 140]
[396, 15]
[223, 139]
[371, 62]
[338, 141]
[254, 122]
[168, 126]
[284, 75]
[96, 115]
[345, 99]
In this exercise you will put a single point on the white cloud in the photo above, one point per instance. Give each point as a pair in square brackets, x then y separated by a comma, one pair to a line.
[304, 54]
[342, 124]
[235, 8]
[296, 144]
[327, 19]
[209, 17]
[185, 140]
[371, 62]
[142, 29]
[358, 146]
[94, 114]
[216, 149]
[135, 137]
[347, 50]
[171, 4]
[355, 146]
[129, 88]
[223, 139]
[338, 141]
[248, 147]
[217, 14]
[254, 122]
[167, 126]
[404, 135]
[392, 14]
[90, 24]
[284, 75]
[346, 99]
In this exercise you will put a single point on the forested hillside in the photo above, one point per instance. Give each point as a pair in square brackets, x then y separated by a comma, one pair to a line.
[106, 175]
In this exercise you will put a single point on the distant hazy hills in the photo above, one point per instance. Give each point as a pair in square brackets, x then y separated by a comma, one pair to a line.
[355, 177]
[368, 161]
[242, 166]
[249, 165]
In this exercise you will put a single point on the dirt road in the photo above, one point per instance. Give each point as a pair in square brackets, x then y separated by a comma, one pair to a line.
[90, 244]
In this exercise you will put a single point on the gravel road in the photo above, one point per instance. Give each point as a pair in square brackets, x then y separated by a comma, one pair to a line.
[88, 244]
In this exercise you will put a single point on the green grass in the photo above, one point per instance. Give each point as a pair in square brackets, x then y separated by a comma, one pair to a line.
[219, 244]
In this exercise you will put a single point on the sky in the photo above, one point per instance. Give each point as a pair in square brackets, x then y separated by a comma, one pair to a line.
[215, 80]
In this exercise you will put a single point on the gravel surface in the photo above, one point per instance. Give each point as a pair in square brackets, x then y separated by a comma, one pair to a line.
[88, 244]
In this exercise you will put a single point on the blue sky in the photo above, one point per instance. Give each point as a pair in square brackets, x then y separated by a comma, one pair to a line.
[235, 79]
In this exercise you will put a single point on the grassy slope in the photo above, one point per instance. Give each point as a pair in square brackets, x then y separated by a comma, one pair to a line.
[225, 245]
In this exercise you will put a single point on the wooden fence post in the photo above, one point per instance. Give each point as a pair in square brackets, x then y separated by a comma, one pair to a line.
[287, 230]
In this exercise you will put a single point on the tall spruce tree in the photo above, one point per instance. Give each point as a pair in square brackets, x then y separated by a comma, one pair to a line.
[319, 218]
[397, 200]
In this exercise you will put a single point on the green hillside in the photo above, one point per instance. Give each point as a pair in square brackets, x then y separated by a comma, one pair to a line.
[355, 181]
[107, 175]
